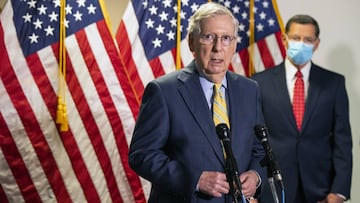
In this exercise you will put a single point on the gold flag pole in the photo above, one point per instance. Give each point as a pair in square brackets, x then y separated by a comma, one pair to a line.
[251, 38]
[178, 36]
[61, 114]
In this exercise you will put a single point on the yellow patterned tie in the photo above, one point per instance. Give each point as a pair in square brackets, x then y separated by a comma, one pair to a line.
[219, 107]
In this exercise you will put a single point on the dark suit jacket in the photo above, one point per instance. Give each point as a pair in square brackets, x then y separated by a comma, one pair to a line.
[175, 140]
[321, 152]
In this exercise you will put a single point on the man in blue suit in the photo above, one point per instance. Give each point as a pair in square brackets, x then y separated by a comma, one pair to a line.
[175, 145]
[314, 152]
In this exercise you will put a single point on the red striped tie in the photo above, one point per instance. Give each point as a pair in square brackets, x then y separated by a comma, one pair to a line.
[299, 99]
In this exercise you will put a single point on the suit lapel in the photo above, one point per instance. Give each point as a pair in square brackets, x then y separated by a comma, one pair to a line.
[233, 97]
[313, 93]
[282, 93]
[236, 92]
[198, 107]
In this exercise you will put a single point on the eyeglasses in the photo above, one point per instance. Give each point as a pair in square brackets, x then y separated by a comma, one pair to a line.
[209, 39]
[306, 40]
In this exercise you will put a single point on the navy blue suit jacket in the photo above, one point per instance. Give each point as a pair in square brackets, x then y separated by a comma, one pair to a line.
[175, 140]
[321, 152]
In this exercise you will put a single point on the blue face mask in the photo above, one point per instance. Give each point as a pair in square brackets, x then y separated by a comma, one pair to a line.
[299, 52]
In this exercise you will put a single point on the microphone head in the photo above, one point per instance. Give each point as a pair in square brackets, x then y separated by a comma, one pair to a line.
[261, 132]
[222, 131]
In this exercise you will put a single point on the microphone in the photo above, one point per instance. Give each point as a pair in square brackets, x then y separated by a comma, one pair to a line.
[262, 134]
[223, 133]
[231, 170]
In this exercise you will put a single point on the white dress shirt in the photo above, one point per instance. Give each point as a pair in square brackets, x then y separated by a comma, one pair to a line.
[290, 71]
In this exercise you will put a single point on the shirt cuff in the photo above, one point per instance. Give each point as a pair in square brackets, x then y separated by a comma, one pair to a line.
[259, 178]
[340, 195]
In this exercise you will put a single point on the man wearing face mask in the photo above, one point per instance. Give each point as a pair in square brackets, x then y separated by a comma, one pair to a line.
[306, 110]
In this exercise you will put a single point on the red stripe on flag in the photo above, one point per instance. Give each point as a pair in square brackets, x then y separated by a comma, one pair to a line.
[79, 167]
[87, 117]
[16, 165]
[32, 127]
[278, 36]
[116, 124]
[265, 53]
[70, 145]
[34, 131]
[244, 55]
[231, 68]
[76, 158]
[156, 67]
[131, 70]
[3, 198]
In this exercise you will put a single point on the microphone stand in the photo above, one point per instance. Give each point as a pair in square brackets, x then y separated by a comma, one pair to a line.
[273, 170]
[272, 185]
[273, 175]
[231, 170]
[232, 176]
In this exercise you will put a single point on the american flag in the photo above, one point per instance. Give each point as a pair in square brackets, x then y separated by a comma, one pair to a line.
[147, 37]
[38, 162]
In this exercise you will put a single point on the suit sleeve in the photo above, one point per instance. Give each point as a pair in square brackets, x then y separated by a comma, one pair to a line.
[149, 155]
[258, 150]
[342, 143]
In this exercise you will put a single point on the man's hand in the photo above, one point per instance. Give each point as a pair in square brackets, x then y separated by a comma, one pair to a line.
[252, 200]
[332, 198]
[249, 181]
[213, 183]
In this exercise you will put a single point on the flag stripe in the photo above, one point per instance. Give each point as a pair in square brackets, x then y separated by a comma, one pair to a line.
[265, 54]
[132, 96]
[22, 106]
[32, 127]
[166, 64]
[7, 178]
[186, 54]
[280, 53]
[44, 95]
[244, 55]
[127, 59]
[156, 67]
[82, 88]
[237, 64]
[41, 71]
[271, 53]
[136, 55]
[115, 122]
[89, 162]
[3, 197]
[17, 165]
[70, 145]
[81, 152]
[124, 88]
[127, 91]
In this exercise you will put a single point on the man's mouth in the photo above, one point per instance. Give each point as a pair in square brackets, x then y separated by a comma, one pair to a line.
[216, 60]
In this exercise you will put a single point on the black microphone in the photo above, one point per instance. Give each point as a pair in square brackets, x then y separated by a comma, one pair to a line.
[231, 170]
[223, 133]
[262, 134]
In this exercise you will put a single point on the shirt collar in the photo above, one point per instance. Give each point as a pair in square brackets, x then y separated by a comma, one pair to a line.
[290, 70]
[205, 82]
